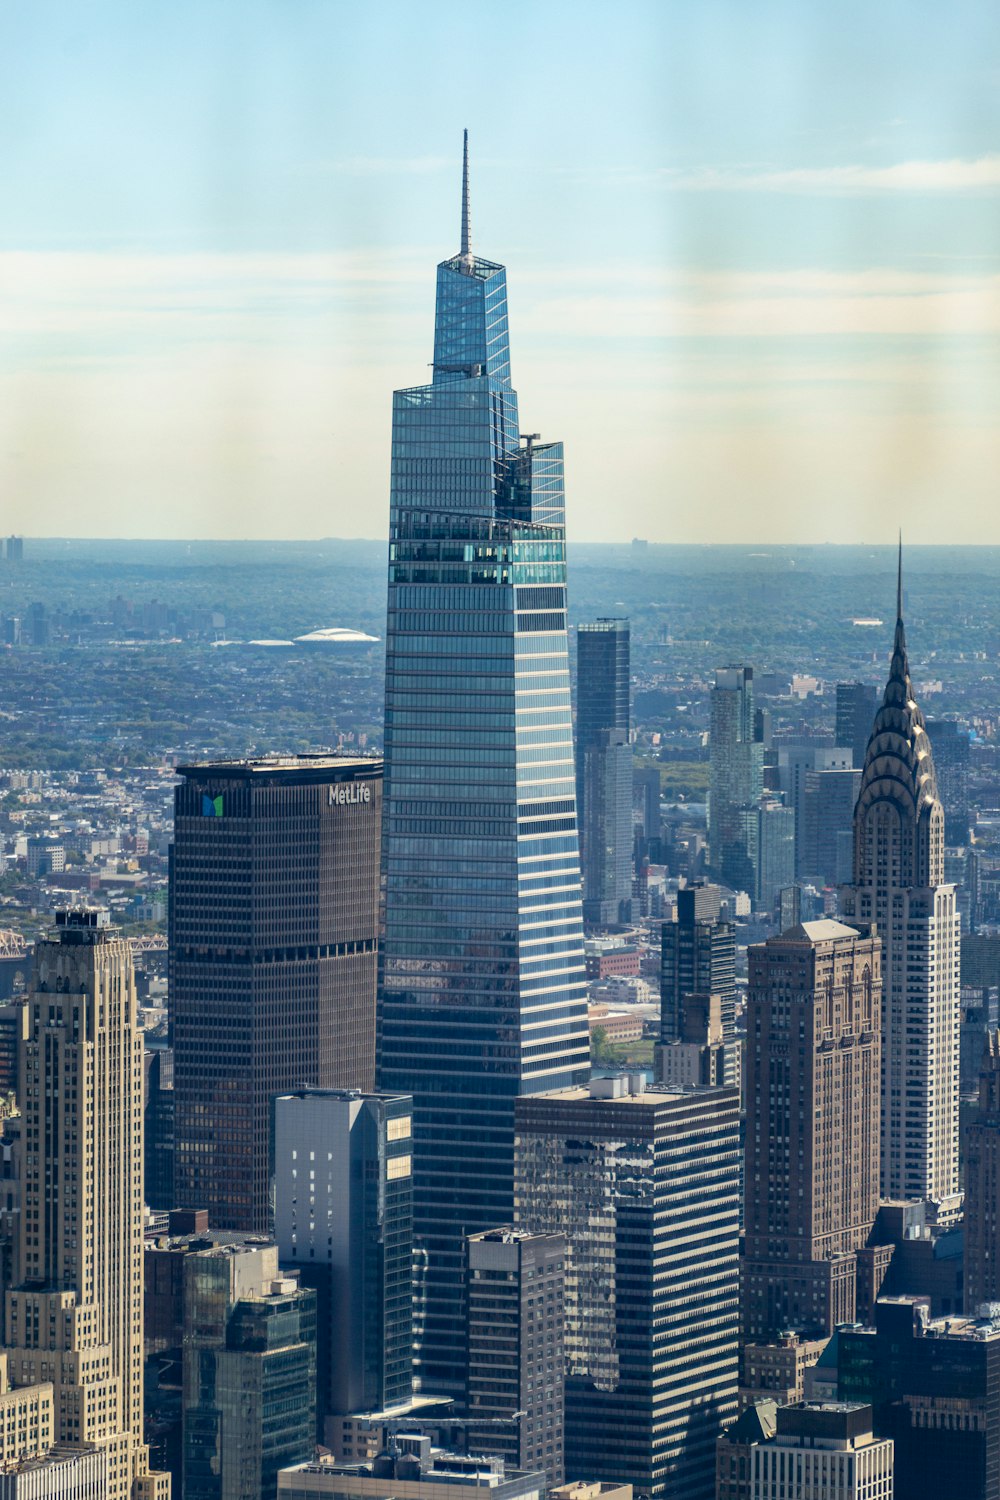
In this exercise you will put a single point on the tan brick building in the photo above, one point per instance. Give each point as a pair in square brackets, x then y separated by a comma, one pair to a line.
[812, 1134]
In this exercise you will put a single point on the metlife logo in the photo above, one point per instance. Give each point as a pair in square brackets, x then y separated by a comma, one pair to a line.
[343, 792]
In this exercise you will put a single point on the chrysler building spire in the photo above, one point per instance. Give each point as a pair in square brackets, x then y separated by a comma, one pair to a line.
[899, 885]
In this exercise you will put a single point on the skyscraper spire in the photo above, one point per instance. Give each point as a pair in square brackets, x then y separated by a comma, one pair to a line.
[899, 884]
[466, 252]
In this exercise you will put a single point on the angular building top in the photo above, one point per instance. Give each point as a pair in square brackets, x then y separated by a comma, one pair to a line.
[899, 769]
[482, 971]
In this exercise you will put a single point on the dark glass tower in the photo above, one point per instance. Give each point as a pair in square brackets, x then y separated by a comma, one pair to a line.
[857, 703]
[604, 770]
[482, 992]
[274, 909]
[698, 956]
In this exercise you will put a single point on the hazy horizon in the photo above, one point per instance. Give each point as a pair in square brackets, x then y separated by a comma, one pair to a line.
[753, 260]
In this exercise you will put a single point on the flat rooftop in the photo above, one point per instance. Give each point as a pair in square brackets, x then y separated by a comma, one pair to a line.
[286, 768]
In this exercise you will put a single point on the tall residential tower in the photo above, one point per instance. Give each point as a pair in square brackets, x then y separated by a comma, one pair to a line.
[899, 885]
[736, 776]
[482, 985]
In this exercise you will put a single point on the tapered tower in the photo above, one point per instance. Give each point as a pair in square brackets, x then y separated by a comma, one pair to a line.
[482, 992]
[899, 885]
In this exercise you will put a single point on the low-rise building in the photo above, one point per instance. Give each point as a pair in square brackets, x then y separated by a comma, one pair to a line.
[825, 1449]
[411, 1470]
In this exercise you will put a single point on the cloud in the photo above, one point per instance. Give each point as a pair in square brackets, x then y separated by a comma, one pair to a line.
[956, 175]
[802, 304]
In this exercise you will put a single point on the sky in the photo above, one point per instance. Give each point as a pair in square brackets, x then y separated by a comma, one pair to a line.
[753, 255]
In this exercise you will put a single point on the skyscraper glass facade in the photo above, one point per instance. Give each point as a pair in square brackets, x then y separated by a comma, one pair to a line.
[604, 770]
[482, 986]
[736, 776]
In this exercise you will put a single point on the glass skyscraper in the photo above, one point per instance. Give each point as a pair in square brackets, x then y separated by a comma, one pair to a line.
[604, 770]
[482, 987]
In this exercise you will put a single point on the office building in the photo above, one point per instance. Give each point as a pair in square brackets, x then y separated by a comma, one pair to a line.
[856, 705]
[822, 1448]
[70, 1471]
[935, 1389]
[779, 1371]
[646, 782]
[516, 1295]
[249, 1372]
[11, 1187]
[698, 957]
[15, 549]
[982, 1186]
[582, 1489]
[643, 1183]
[604, 770]
[27, 1419]
[795, 762]
[159, 1128]
[829, 800]
[482, 991]
[736, 775]
[46, 856]
[950, 744]
[911, 1254]
[273, 957]
[75, 1320]
[734, 1450]
[898, 883]
[699, 1056]
[186, 1233]
[343, 1217]
[411, 1470]
[769, 835]
[812, 1130]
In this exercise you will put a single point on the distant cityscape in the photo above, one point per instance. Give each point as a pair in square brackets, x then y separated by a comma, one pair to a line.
[529, 1021]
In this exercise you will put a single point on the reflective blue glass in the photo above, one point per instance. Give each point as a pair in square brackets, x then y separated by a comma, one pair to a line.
[482, 993]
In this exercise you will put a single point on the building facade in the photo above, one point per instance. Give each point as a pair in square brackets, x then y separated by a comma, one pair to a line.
[982, 1186]
[274, 901]
[898, 883]
[75, 1320]
[249, 1373]
[604, 770]
[828, 837]
[950, 743]
[736, 775]
[482, 990]
[644, 1186]
[698, 957]
[413, 1471]
[795, 763]
[516, 1302]
[935, 1390]
[70, 1471]
[812, 1132]
[769, 831]
[343, 1218]
[856, 705]
[823, 1448]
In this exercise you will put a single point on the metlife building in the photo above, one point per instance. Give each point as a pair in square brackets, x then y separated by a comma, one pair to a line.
[274, 890]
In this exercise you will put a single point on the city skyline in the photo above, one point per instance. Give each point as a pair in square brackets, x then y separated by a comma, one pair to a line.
[775, 234]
